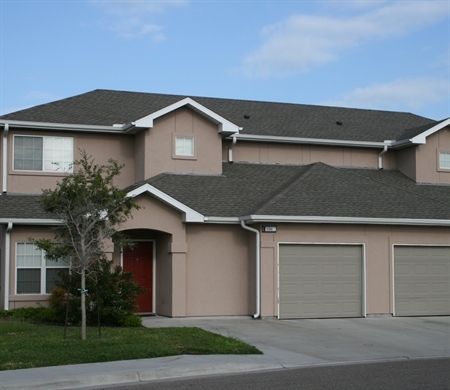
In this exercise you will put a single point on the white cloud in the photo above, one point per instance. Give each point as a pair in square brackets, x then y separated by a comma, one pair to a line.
[133, 18]
[398, 95]
[305, 41]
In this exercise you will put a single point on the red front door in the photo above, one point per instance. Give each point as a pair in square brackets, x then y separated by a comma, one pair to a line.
[139, 261]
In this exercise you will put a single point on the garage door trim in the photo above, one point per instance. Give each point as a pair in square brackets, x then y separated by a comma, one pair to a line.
[363, 268]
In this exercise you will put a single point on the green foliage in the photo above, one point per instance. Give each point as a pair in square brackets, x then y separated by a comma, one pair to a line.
[130, 321]
[57, 297]
[109, 289]
[91, 209]
[33, 314]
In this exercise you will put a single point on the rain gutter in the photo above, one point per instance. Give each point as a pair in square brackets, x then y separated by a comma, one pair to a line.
[346, 220]
[258, 269]
[7, 265]
[5, 159]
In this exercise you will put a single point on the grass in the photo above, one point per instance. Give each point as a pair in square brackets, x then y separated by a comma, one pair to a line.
[27, 345]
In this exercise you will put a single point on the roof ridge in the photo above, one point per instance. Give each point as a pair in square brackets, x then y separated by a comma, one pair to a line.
[285, 187]
[393, 186]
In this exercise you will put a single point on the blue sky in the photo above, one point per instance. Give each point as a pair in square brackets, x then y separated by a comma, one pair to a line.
[390, 55]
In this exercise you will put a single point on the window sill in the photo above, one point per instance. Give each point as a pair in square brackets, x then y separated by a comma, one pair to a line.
[39, 173]
[174, 157]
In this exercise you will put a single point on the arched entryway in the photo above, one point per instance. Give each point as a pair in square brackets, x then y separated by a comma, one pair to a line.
[148, 260]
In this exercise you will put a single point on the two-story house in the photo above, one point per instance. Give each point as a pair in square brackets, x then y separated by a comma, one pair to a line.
[248, 208]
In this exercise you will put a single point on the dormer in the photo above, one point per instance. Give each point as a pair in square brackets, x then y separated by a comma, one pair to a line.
[185, 137]
[425, 157]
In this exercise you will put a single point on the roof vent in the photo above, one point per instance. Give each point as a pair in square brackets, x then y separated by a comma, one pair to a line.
[339, 123]
[246, 116]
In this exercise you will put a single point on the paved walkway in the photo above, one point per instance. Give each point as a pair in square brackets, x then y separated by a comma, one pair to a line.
[293, 343]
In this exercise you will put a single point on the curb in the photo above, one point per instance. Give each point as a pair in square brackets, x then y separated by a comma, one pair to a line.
[132, 377]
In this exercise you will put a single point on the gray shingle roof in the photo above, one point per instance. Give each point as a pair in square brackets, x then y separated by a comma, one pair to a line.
[106, 107]
[285, 190]
[312, 190]
[22, 206]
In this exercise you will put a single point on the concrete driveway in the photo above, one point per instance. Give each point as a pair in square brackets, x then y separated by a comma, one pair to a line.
[330, 341]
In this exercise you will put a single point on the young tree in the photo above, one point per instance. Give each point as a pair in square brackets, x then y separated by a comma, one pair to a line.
[91, 210]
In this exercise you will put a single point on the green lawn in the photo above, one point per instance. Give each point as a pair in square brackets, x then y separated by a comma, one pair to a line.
[27, 345]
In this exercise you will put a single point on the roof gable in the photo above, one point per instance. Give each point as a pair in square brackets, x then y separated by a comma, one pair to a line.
[225, 126]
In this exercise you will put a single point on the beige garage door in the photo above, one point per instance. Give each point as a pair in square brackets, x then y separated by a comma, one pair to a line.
[320, 281]
[422, 280]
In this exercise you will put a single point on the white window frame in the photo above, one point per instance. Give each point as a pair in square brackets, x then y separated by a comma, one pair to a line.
[42, 266]
[443, 158]
[47, 153]
[182, 151]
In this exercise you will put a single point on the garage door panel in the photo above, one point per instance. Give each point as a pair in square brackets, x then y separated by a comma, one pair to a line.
[422, 280]
[328, 279]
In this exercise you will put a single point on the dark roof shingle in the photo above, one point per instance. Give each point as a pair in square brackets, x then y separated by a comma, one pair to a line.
[284, 190]
[108, 107]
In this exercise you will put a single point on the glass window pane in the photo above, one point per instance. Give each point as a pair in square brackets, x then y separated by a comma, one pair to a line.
[28, 281]
[444, 160]
[58, 153]
[28, 255]
[184, 146]
[63, 262]
[51, 276]
[27, 153]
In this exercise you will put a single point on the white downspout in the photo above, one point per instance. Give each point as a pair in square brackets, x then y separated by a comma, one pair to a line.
[380, 159]
[5, 158]
[230, 149]
[7, 264]
[258, 270]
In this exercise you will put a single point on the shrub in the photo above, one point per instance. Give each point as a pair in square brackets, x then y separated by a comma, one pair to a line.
[33, 314]
[131, 320]
[111, 292]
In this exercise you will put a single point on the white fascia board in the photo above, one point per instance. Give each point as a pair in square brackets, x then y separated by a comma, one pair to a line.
[421, 138]
[224, 220]
[346, 220]
[189, 215]
[31, 221]
[313, 141]
[225, 126]
[115, 129]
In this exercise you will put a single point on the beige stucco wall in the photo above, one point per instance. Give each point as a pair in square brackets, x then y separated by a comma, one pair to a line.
[101, 146]
[220, 271]
[407, 161]
[427, 160]
[378, 244]
[421, 162]
[279, 153]
[159, 154]
[2, 264]
[105, 146]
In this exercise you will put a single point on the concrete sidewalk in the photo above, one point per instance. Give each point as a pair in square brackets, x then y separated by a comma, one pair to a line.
[288, 343]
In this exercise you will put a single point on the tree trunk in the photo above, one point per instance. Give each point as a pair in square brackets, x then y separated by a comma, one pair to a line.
[68, 295]
[83, 304]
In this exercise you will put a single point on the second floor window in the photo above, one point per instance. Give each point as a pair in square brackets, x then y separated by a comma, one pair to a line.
[48, 154]
[184, 146]
[444, 160]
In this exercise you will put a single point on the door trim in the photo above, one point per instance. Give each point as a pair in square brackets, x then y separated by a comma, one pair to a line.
[153, 241]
